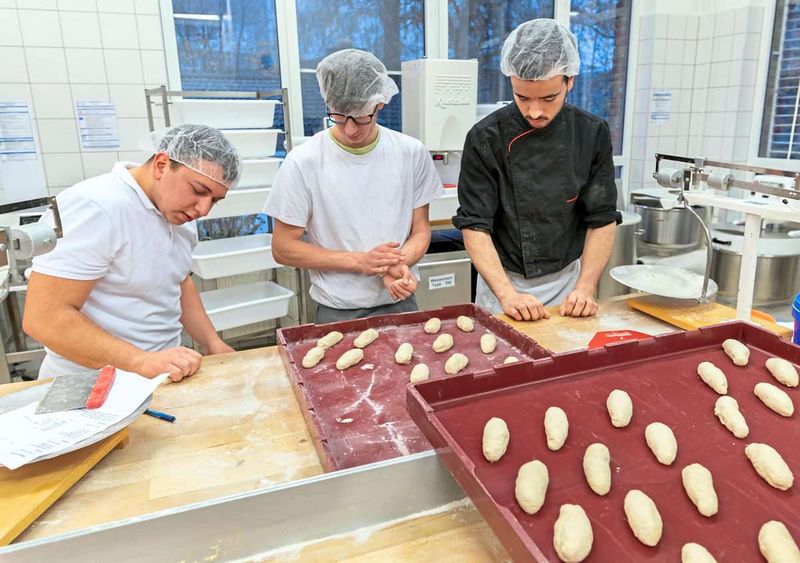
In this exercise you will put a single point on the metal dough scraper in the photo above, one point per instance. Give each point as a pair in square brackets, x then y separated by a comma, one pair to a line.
[80, 391]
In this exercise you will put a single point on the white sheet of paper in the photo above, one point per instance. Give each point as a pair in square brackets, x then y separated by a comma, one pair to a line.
[26, 436]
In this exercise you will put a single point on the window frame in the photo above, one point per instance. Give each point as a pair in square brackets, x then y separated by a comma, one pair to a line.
[757, 119]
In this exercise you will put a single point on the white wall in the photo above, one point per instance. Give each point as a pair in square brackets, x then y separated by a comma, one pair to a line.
[710, 62]
[56, 52]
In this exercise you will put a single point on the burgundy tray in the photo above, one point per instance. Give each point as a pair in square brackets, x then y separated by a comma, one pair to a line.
[359, 416]
[660, 375]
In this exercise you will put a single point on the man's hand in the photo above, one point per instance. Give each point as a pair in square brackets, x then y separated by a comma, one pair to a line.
[523, 307]
[179, 362]
[377, 261]
[579, 303]
[217, 347]
[400, 282]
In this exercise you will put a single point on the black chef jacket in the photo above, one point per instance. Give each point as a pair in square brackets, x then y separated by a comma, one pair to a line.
[537, 191]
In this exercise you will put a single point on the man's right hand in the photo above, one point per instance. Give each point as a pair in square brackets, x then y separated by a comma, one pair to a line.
[178, 362]
[523, 307]
[376, 262]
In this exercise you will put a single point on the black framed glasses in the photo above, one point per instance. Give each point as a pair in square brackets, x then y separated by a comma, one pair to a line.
[341, 119]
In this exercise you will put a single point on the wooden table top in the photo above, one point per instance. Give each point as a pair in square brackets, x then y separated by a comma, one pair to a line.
[239, 428]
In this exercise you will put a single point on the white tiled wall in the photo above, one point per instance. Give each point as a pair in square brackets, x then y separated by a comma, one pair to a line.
[709, 61]
[55, 52]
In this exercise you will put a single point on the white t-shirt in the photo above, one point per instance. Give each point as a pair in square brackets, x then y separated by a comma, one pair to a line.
[354, 203]
[114, 234]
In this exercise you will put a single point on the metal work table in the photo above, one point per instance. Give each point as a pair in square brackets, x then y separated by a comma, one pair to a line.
[241, 452]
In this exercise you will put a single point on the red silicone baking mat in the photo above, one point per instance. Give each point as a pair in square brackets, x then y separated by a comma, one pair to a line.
[358, 415]
[660, 375]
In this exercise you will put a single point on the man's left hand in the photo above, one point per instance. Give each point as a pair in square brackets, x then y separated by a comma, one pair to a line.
[400, 282]
[579, 303]
[218, 347]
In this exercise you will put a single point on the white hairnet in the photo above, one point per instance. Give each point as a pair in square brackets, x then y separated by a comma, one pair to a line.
[198, 147]
[353, 82]
[539, 50]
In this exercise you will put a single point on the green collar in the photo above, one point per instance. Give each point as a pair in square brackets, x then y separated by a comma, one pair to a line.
[359, 151]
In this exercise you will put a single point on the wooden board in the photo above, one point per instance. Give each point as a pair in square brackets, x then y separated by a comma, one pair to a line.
[689, 314]
[563, 334]
[238, 429]
[27, 492]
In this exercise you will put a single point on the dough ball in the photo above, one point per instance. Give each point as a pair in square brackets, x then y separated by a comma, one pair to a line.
[442, 343]
[420, 373]
[465, 323]
[366, 338]
[572, 534]
[488, 343]
[736, 351]
[661, 442]
[783, 371]
[433, 325]
[330, 340]
[620, 408]
[556, 427]
[404, 353]
[531, 486]
[495, 439]
[313, 357]
[643, 517]
[349, 359]
[455, 363]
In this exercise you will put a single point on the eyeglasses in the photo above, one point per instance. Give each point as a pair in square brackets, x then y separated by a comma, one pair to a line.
[341, 119]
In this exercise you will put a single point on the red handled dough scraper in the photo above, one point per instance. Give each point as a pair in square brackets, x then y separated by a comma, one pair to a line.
[79, 391]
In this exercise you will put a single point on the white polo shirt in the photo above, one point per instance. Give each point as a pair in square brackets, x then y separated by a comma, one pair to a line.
[114, 234]
[353, 202]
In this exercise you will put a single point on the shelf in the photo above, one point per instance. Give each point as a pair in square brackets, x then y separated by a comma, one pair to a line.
[213, 259]
[240, 202]
[258, 172]
[253, 143]
[232, 307]
[224, 114]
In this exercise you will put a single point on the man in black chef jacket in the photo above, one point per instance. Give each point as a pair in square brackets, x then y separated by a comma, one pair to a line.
[536, 189]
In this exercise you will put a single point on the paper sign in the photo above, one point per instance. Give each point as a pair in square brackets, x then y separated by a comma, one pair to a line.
[661, 106]
[16, 132]
[97, 125]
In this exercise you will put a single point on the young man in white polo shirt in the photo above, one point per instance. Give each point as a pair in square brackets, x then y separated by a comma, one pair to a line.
[360, 192]
[116, 289]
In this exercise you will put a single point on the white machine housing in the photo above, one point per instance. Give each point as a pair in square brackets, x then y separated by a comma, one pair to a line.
[440, 99]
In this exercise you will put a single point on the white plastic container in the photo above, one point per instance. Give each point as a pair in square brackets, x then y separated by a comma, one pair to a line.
[245, 304]
[240, 202]
[253, 143]
[258, 172]
[213, 259]
[224, 114]
[444, 207]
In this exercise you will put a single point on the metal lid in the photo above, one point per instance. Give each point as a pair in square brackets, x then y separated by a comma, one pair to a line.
[663, 280]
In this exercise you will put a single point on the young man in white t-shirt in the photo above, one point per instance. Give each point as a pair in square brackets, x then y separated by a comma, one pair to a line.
[360, 192]
[116, 289]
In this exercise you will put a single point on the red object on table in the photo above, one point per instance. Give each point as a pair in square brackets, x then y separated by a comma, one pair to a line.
[101, 388]
[604, 337]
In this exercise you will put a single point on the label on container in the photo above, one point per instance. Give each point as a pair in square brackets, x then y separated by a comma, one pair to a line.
[442, 282]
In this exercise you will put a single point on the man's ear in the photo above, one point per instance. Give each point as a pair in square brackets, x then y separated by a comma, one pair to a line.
[570, 83]
[159, 165]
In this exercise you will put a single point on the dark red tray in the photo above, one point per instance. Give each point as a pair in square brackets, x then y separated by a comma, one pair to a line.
[660, 375]
[359, 416]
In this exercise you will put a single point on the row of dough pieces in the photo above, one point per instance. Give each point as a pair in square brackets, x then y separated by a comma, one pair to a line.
[775, 542]
[405, 351]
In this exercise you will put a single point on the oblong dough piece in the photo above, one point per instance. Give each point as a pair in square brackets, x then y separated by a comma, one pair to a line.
[433, 325]
[736, 351]
[421, 372]
[572, 534]
[597, 468]
[556, 427]
[404, 353]
[776, 543]
[465, 323]
[495, 439]
[696, 553]
[699, 486]
[620, 408]
[488, 343]
[769, 464]
[713, 377]
[774, 398]
[643, 517]
[329, 340]
[783, 371]
[727, 411]
[661, 441]
[366, 338]
[531, 486]
[443, 343]
[510, 360]
[455, 363]
[349, 359]
[313, 357]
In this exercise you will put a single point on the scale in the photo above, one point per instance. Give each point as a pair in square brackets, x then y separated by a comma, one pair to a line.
[696, 184]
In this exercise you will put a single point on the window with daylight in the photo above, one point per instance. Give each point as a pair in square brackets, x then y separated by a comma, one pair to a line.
[477, 29]
[602, 28]
[391, 30]
[780, 129]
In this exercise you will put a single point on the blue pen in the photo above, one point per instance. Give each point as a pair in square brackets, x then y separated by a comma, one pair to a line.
[161, 415]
